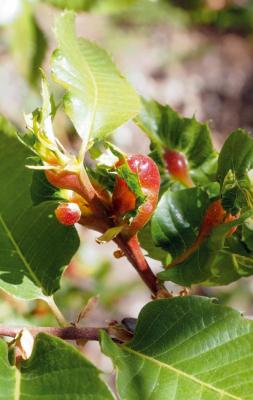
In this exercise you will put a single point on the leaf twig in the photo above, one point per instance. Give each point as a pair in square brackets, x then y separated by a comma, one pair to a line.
[56, 311]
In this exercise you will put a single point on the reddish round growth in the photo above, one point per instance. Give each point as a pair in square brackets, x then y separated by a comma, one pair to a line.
[177, 167]
[68, 213]
[124, 200]
[214, 216]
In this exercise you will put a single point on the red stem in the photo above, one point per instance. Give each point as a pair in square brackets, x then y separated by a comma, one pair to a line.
[101, 221]
[131, 249]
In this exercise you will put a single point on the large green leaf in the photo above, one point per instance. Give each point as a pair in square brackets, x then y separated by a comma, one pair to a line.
[28, 43]
[168, 130]
[34, 247]
[7, 374]
[185, 348]
[56, 370]
[98, 98]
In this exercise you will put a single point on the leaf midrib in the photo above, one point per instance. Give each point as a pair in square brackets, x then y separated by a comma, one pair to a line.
[94, 84]
[18, 384]
[19, 252]
[95, 93]
[182, 373]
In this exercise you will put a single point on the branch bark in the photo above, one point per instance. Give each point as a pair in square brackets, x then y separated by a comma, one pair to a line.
[67, 333]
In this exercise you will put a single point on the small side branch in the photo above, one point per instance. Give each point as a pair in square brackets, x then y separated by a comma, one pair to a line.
[67, 333]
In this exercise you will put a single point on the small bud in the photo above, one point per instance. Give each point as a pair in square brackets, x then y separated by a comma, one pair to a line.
[68, 213]
[118, 253]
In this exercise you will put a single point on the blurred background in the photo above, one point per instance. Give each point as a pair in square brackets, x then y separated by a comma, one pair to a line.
[195, 55]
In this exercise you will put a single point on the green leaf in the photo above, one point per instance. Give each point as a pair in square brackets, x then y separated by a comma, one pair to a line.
[110, 234]
[7, 374]
[105, 175]
[168, 130]
[153, 251]
[177, 219]
[41, 189]
[219, 260]
[98, 98]
[247, 234]
[28, 43]
[132, 180]
[34, 247]
[102, 176]
[234, 163]
[56, 370]
[185, 348]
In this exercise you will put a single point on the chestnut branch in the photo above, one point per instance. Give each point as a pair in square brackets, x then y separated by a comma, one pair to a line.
[66, 333]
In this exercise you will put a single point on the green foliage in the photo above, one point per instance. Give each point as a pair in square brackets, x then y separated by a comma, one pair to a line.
[55, 370]
[175, 224]
[230, 16]
[7, 374]
[168, 130]
[34, 246]
[218, 260]
[185, 348]
[153, 251]
[233, 169]
[42, 190]
[28, 43]
[98, 98]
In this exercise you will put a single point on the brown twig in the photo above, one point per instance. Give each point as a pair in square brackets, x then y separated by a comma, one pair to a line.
[67, 333]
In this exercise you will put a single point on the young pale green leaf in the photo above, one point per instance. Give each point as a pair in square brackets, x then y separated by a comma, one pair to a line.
[98, 98]
[56, 370]
[234, 163]
[34, 247]
[30, 51]
[219, 260]
[168, 130]
[177, 219]
[185, 348]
